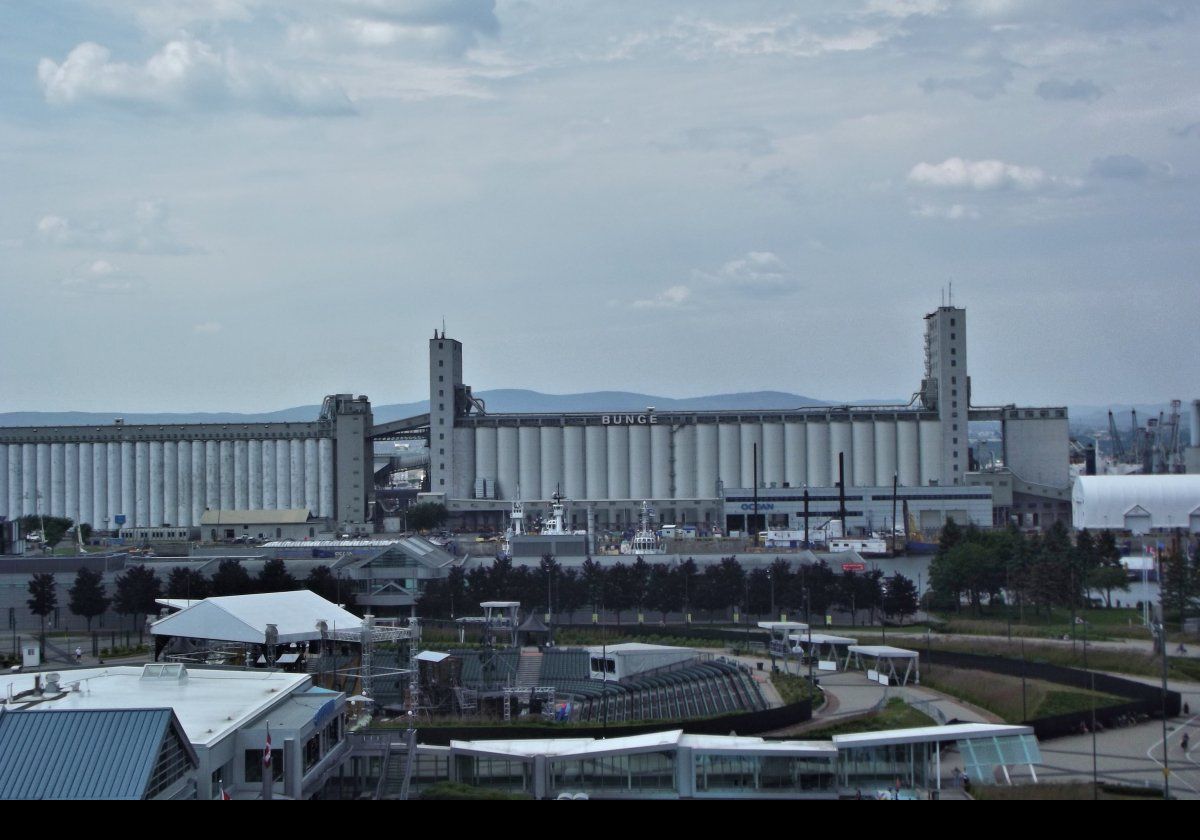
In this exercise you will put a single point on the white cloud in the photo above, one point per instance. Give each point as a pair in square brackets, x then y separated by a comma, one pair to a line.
[206, 328]
[101, 277]
[186, 74]
[958, 173]
[953, 212]
[758, 272]
[671, 298]
[149, 231]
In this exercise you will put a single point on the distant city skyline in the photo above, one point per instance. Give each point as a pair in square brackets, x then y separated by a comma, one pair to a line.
[243, 205]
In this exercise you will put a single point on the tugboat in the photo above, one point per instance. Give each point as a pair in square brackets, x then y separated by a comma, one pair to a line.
[645, 541]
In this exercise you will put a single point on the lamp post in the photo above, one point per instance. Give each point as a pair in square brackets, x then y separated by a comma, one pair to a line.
[1092, 705]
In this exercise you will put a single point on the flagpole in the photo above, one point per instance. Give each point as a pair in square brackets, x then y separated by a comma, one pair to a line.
[268, 783]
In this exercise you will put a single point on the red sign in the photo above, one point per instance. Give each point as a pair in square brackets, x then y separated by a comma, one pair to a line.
[854, 567]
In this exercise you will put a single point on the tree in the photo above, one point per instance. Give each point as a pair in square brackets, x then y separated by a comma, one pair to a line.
[231, 578]
[664, 590]
[427, 515]
[595, 579]
[900, 599]
[56, 527]
[275, 577]
[44, 600]
[1179, 583]
[187, 584]
[1108, 573]
[87, 596]
[137, 591]
[572, 592]
[620, 590]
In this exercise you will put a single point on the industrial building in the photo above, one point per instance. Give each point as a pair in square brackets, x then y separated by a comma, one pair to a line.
[686, 464]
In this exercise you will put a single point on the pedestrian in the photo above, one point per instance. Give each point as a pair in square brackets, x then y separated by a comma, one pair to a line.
[1187, 709]
[78, 655]
[1184, 743]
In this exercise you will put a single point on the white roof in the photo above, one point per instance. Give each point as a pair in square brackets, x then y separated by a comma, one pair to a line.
[176, 603]
[885, 651]
[431, 656]
[782, 625]
[822, 639]
[287, 516]
[244, 618]
[499, 605]
[919, 734]
[638, 647]
[581, 747]
[527, 747]
[1102, 501]
[209, 703]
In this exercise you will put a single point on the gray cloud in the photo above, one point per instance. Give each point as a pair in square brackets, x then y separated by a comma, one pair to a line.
[1060, 90]
[986, 85]
[1127, 167]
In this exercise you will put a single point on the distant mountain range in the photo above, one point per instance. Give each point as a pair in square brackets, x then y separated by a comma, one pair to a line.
[517, 400]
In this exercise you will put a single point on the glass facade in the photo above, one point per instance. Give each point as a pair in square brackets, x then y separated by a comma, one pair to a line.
[909, 765]
[644, 772]
[498, 773]
[759, 774]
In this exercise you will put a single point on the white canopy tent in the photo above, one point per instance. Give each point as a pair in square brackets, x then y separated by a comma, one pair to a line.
[825, 648]
[882, 660]
[244, 618]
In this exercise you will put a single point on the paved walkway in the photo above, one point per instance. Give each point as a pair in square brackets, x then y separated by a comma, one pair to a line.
[1128, 645]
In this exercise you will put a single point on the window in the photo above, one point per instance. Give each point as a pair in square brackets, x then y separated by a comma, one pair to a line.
[441, 435]
[440, 394]
[954, 363]
[254, 765]
[953, 351]
[441, 406]
[441, 363]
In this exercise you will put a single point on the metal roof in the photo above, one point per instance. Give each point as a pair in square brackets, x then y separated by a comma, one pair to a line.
[290, 516]
[82, 754]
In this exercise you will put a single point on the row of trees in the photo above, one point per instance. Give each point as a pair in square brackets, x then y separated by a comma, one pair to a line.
[660, 588]
[974, 567]
[138, 587]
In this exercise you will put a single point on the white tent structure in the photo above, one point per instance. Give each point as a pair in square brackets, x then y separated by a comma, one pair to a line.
[245, 618]
[881, 663]
[1136, 503]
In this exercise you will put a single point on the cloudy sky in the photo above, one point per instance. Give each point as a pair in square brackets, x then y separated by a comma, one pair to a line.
[246, 204]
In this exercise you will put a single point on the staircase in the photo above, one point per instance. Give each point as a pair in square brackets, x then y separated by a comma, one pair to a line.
[396, 776]
[529, 668]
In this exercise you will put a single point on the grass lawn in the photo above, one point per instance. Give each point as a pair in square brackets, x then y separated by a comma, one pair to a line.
[1002, 694]
[896, 714]
[1117, 623]
[1116, 661]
